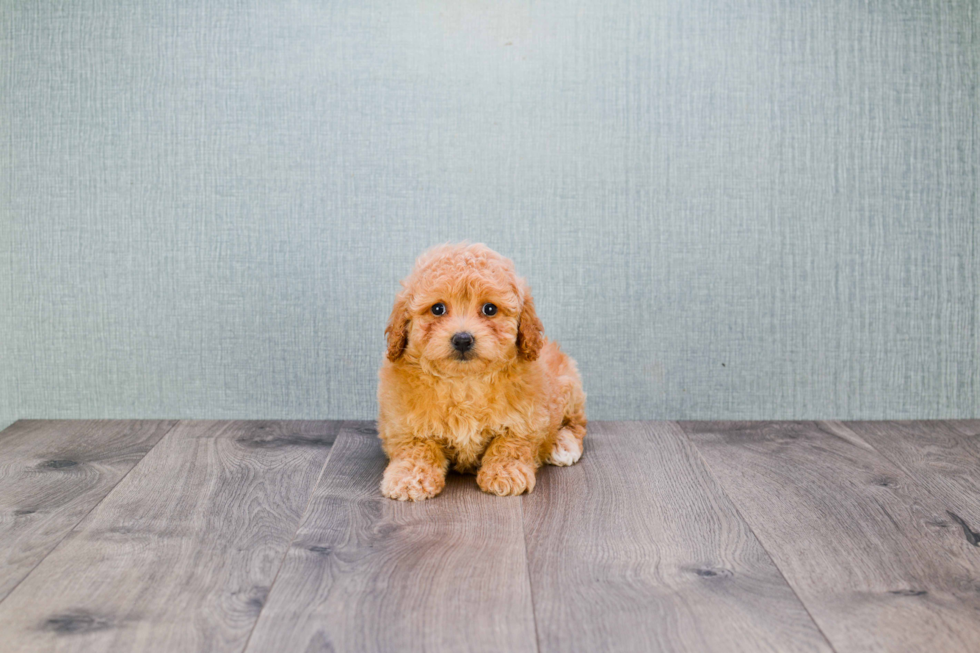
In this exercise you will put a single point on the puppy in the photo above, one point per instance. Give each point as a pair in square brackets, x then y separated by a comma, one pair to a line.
[469, 380]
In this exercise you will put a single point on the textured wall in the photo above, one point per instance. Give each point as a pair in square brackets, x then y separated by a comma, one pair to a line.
[747, 209]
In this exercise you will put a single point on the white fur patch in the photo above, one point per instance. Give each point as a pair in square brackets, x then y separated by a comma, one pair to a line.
[567, 450]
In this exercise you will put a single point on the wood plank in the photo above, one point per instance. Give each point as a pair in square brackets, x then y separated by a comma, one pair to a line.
[637, 549]
[969, 427]
[366, 573]
[944, 457]
[867, 549]
[181, 554]
[52, 473]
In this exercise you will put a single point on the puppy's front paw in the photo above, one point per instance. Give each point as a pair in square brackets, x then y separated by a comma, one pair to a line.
[411, 482]
[506, 477]
[567, 449]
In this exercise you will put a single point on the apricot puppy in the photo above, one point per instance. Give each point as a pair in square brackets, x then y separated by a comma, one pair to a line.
[469, 380]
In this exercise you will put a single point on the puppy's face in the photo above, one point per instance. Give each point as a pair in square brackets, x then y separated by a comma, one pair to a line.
[463, 311]
[459, 330]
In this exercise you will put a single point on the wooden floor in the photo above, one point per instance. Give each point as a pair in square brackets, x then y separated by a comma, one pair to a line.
[667, 536]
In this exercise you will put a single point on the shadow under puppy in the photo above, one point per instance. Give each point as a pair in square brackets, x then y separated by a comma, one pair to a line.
[470, 380]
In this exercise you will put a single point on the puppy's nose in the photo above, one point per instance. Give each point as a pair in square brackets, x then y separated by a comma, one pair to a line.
[462, 341]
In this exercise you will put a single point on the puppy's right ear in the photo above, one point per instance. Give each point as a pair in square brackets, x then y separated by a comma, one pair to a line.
[397, 329]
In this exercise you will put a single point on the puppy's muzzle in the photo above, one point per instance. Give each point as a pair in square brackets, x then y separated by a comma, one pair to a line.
[463, 342]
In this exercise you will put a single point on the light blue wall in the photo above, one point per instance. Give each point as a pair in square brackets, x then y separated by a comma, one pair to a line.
[749, 209]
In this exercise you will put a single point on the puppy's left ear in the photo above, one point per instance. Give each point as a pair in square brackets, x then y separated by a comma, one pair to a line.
[397, 329]
[530, 331]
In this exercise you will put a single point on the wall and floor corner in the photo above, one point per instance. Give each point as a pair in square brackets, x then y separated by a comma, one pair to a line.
[762, 211]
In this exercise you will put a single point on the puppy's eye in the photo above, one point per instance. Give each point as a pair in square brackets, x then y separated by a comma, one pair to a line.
[489, 309]
[439, 309]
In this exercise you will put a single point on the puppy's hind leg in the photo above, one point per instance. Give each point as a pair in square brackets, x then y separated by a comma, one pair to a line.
[567, 449]
[568, 444]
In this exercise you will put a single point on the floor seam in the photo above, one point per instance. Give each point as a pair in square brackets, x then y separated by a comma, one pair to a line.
[91, 510]
[530, 585]
[299, 524]
[748, 525]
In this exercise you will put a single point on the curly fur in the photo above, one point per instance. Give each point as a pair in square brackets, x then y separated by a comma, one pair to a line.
[515, 403]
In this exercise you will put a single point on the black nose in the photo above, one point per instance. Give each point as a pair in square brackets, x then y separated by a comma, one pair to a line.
[463, 341]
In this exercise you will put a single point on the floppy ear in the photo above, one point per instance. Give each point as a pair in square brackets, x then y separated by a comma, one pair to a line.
[397, 330]
[530, 331]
